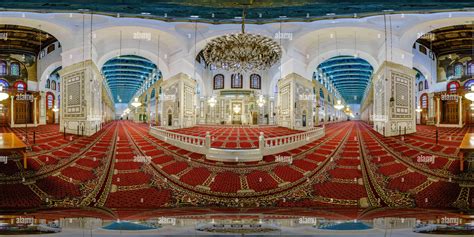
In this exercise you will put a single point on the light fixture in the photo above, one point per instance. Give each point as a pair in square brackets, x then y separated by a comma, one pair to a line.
[55, 108]
[236, 108]
[3, 94]
[136, 103]
[212, 102]
[418, 109]
[470, 94]
[261, 101]
[339, 105]
[240, 52]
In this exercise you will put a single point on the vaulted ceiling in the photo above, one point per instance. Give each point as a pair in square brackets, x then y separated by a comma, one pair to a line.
[126, 74]
[227, 10]
[350, 75]
[453, 39]
[23, 40]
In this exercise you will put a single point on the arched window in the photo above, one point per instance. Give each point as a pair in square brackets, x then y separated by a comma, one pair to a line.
[452, 87]
[59, 87]
[470, 68]
[236, 80]
[420, 86]
[20, 86]
[218, 82]
[458, 70]
[426, 84]
[255, 81]
[3, 68]
[47, 84]
[49, 100]
[53, 85]
[4, 83]
[424, 101]
[15, 69]
[468, 84]
[152, 95]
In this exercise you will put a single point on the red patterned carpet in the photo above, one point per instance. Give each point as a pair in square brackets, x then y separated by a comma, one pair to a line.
[351, 167]
[232, 137]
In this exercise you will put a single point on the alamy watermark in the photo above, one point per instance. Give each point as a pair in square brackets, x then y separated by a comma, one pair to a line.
[425, 159]
[142, 36]
[167, 220]
[446, 97]
[308, 220]
[3, 36]
[142, 159]
[281, 35]
[4, 159]
[285, 159]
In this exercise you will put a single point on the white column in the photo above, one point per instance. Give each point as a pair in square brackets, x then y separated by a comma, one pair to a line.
[438, 111]
[460, 110]
[12, 112]
[34, 111]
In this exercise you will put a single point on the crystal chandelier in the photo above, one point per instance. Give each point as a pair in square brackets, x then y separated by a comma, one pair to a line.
[240, 52]
[260, 101]
[136, 103]
[3, 94]
[339, 105]
[236, 109]
[212, 102]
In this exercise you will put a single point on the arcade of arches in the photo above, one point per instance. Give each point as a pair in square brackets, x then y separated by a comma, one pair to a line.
[124, 113]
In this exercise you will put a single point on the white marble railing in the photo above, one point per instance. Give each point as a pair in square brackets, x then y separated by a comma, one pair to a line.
[187, 142]
[274, 145]
[266, 146]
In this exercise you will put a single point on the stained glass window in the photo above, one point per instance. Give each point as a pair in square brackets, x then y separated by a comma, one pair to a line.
[50, 101]
[424, 101]
[218, 81]
[470, 68]
[3, 68]
[458, 70]
[15, 69]
[20, 86]
[255, 81]
[236, 80]
[47, 83]
[53, 85]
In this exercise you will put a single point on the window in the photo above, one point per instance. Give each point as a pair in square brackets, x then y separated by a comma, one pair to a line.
[423, 49]
[51, 48]
[426, 84]
[4, 83]
[59, 87]
[236, 80]
[424, 101]
[15, 69]
[3, 68]
[420, 86]
[20, 86]
[468, 84]
[255, 81]
[218, 82]
[458, 70]
[152, 95]
[470, 68]
[53, 85]
[47, 84]
[452, 87]
[50, 100]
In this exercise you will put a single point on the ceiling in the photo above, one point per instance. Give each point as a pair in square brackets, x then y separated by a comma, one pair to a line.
[226, 10]
[126, 74]
[453, 39]
[350, 75]
[23, 40]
